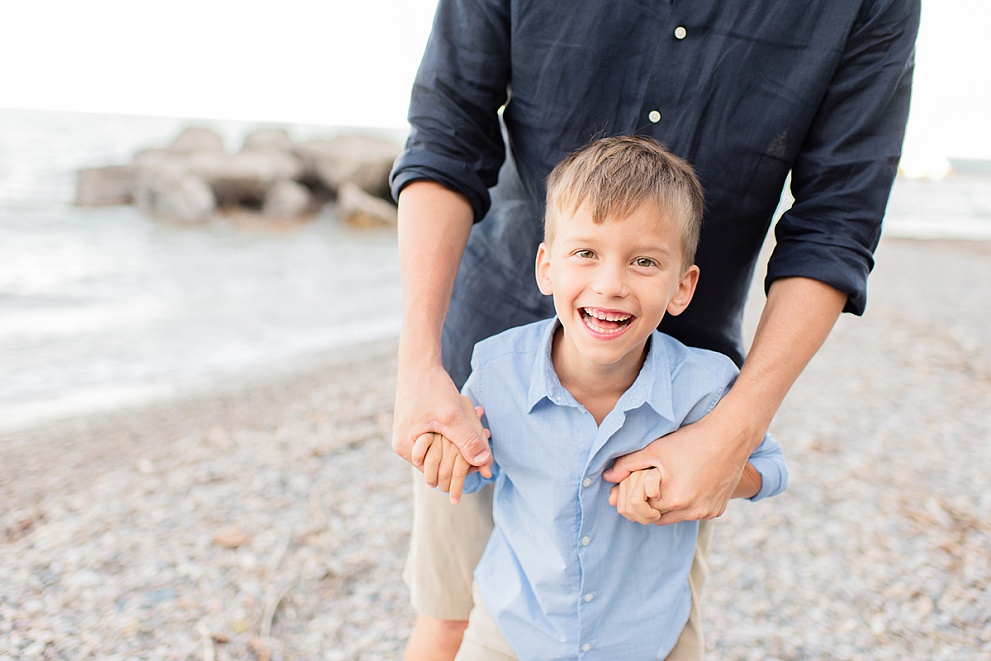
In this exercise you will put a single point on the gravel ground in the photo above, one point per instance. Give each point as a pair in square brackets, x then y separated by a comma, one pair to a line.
[268, 519]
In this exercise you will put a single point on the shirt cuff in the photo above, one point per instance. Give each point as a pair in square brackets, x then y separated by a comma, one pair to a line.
[417, 165]
[773, 476]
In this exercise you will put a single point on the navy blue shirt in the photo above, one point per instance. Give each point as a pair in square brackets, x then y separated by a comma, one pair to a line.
[745, 92]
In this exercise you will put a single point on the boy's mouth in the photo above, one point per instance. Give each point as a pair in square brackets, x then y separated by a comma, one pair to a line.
[601, 321]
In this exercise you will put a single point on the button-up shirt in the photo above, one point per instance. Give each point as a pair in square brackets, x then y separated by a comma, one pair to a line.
[564, 576]
[746, 92]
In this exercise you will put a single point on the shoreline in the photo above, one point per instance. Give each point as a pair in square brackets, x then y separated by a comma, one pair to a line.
[268, 515]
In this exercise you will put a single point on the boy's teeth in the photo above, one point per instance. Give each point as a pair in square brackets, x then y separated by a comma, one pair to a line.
[606, 316]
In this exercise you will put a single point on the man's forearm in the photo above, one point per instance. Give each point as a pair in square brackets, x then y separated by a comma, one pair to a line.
[797, 318]
[434, 223]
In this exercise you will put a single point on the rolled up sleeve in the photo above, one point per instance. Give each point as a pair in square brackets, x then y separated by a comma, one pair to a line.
[843, 174]
[769, 461]
[463, 79]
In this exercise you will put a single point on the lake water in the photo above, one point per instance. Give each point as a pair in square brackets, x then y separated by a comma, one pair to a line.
[100, 307]
[104, 306]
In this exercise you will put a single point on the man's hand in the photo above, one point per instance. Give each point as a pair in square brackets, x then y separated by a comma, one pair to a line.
[697, 466]
[701, 464]
[427, 402]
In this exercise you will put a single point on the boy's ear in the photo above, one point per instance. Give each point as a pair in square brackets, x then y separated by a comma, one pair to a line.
[542, 269]
[686, 289]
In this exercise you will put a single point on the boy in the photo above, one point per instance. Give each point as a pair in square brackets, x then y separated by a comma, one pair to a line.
[563, 575]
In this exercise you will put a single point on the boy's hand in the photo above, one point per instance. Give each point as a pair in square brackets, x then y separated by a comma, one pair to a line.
[427, 401]
[636, 497]
[443, 464]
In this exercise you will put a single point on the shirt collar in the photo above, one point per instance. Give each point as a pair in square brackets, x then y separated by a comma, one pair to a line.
[544, 382]
[652, 386]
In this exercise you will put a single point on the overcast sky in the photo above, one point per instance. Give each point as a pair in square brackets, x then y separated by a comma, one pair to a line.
[338, 62]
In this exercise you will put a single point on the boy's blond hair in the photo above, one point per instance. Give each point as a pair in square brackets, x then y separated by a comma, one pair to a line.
[613, 177]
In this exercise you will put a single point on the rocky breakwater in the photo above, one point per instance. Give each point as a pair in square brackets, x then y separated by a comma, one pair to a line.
[196, 180]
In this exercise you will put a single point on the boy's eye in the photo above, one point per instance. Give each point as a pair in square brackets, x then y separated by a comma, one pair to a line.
[644, 262]
[588, 254]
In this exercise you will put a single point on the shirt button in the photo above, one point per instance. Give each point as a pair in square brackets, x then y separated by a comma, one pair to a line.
[586, 540]
[654, 116]
[680, 32]
[589, 597]
[587, 482]
[586, 647]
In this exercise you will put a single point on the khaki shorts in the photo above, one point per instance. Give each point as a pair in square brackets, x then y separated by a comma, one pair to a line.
[446, 544]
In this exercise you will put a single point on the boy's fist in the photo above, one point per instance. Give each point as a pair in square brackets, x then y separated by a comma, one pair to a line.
[635, 496]
[442, 463]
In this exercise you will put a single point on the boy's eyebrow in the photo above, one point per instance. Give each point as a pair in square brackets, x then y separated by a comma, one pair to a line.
[637, 248]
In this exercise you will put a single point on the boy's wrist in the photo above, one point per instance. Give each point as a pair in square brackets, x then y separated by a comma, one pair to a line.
[750, 482]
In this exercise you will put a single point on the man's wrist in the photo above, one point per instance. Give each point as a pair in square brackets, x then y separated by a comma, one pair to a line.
[418, 354]
[745, 421]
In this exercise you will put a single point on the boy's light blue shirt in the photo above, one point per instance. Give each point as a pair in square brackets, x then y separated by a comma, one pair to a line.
[564, 576]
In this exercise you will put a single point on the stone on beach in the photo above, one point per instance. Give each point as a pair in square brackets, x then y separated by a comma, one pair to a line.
[271, 177]
[287, 199]
[265, 139]
[358, 159]
[244, 178]
[175, 195]
[106, 186]
[880, 550]
[360, 209]
[197, 139]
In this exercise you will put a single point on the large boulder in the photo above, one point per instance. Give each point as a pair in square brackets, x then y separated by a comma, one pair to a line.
[268, 139]
[197, 138]
[106, 186]
[243, 178]
[175, 195]
[147, 162]
[358, 159]
[287, 200]
[361, 209]
[195, 179]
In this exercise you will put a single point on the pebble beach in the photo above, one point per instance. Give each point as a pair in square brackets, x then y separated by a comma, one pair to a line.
[267, 518]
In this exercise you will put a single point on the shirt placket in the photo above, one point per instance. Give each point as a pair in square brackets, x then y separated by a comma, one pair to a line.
[660, 111]
[589, 557]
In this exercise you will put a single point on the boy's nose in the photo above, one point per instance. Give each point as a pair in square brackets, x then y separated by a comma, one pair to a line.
[610, 281]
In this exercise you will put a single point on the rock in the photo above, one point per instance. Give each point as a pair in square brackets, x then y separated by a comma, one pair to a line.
[153, 159]
[270, 178]
[106, 186]
[266, 139]
[362, 160]
[243, 178]
[176, 196]
[287, 199]
[361, 209]
[198, 138]
[231, 537]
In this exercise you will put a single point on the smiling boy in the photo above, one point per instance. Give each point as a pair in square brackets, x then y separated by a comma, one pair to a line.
[564, 576]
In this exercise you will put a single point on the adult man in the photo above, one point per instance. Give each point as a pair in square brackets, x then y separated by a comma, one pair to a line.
[746, 93]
